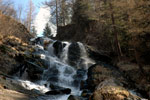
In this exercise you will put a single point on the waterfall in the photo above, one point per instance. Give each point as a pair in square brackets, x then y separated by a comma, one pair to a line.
[67, 67]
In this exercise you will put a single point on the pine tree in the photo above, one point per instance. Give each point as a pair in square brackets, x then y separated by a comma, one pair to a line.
[47, 31]
[33, 31]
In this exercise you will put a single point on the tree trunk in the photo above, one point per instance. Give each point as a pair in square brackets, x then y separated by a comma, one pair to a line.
[117, 44]
[57, 14]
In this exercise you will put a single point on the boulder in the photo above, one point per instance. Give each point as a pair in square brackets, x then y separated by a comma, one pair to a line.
[110, 90]
[74, 54]
[58, 46]
[99, 72]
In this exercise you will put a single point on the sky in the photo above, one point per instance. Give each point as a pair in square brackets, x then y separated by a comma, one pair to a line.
[24, 3]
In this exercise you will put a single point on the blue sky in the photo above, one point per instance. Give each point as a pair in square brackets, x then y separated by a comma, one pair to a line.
[24, 3]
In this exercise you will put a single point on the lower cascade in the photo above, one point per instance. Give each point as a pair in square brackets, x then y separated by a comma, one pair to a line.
[66, 68]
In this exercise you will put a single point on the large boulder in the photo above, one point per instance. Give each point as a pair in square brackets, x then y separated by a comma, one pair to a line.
[99, 72]
[110, 90]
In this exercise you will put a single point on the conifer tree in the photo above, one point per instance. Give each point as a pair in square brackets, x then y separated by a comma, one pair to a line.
[33, 31]
[47, 31]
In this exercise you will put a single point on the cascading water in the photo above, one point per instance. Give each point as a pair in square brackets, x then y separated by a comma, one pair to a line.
[65, 71]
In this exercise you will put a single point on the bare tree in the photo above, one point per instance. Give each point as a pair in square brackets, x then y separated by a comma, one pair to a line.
[53, 4]
[7, 8]
[62, 10]
[30, 15]
[19, 13]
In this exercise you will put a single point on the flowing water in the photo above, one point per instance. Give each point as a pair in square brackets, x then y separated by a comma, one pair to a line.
[67, 66]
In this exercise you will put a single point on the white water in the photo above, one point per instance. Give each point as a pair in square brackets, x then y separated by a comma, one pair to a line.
[59, 73]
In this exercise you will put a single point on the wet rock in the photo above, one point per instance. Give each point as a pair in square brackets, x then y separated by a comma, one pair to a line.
[86, 93]
[35, 91]
[57, 48]
[72, 97]
[52, 75]
[58, 92]
[34, 71]
[37, 40]
[54, 87]
[81, 73]
[74, 54]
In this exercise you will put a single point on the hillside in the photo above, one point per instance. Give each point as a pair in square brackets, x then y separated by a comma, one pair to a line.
[9, 26]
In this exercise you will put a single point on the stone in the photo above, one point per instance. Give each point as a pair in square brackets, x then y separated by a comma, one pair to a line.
[58, 92]
[110, 90]
[74, 54]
